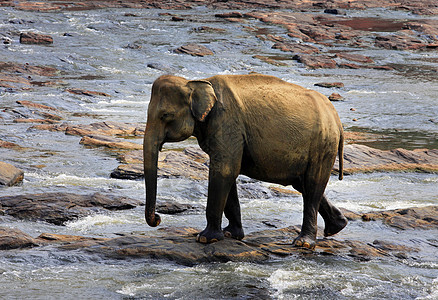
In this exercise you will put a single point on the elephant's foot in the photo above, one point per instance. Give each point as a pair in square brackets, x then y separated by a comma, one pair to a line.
[304, 242]
[208, 236]
[333, 227]
[234, 232]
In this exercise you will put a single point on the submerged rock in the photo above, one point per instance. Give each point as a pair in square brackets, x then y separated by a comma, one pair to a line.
[59, 208]
[35, 38]
[194, 50]
[10, 175]
[11, 238]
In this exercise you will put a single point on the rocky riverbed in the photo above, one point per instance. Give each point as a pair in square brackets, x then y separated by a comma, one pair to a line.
[75, 81]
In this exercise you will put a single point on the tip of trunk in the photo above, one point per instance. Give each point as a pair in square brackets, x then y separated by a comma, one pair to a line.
[153, 219]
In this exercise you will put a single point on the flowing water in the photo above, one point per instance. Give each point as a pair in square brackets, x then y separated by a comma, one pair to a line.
[109, 51]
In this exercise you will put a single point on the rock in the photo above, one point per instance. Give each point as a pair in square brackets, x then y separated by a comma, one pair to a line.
[10, 67]
[336, 97]
[400, 41]
[59, 208]
[105, 128]
[191, 163]
[31, 104]
[10, 175]
[13, 239]
[408, 218]
[316, 62]
[361, 158]
[209, 29]
[87, 93]
[4, 144]
[194, 50]
[109, 142]
[172, 207]
[330, 84]
[334, 11]
[234, 14]
[269, 60]
[354, 57]
[295, 48]
[35, 38]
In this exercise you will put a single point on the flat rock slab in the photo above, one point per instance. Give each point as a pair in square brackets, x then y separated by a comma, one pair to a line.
[59, 208]
[361, 158]
[10, 175]
[407, 218]
[179, 245]
[194, 50]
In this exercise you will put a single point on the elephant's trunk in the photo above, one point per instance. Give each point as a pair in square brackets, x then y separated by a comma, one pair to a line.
[151, 149]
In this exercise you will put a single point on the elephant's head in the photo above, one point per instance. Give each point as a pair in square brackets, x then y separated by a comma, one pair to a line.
[176, 105]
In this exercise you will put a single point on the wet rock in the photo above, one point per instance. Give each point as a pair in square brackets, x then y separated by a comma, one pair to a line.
[11, 238]
[59, 208]
[408, 218]
[42, 121]
[179, 245]
[209, 29]
[10, 145]
[354, 57]
[316, 62]
[191, 163]
[10, 67]
[36, 105]
[10, 175]
[172, 207]
[295, 47]
[108, 142]
[35, 38]
[269, 60]
[234, 14]
[87, 93]
[330, 84]
[194, 50]
[361, 158]
[105, 128]
[400, 41]
[336, 97]
[334, 11]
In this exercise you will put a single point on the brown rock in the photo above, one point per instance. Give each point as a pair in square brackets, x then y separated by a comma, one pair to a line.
[194, 50]
[35, 38]
[361, 158]
[59, 208]
[335, 97]
[295, 47]
[10, 175]
[354, 57]
[10, 67]
[13, 239]
[330, 84]
[105, 141]
[316, 61]
[399, 41]
[4, 144]
[269, 60]
[31, 104]
[190, 163]
[87, 93]
[234, 14]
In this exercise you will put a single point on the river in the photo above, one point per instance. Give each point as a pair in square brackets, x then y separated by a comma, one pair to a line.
[109, 51]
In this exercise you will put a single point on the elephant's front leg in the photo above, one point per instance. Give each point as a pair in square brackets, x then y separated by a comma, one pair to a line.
[219, 185]
[232, 212]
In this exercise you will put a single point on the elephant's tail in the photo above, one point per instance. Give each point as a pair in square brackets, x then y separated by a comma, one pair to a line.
[341, 155]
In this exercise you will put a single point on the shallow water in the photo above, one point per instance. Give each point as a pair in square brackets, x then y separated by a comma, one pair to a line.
[400, 105]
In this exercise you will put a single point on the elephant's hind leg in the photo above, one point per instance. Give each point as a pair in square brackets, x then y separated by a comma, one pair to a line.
[232, 213]
[333, 218]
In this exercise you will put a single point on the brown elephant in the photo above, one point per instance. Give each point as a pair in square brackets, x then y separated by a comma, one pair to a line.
[256, 125]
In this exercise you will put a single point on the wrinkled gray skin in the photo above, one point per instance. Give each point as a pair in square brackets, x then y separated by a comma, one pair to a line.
[255, 125]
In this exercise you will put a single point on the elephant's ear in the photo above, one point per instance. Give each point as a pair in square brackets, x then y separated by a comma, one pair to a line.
[202, 98]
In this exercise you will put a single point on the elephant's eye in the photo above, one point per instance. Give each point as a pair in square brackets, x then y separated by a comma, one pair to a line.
[166, 117]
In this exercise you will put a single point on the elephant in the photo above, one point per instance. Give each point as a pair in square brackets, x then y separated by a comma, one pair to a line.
[256, 125]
